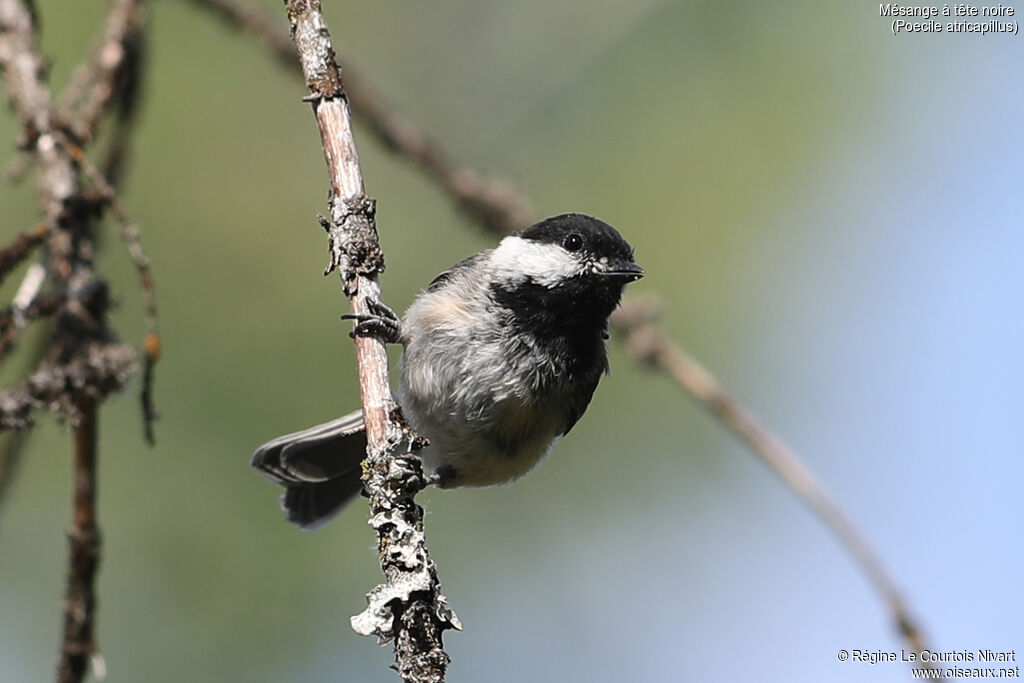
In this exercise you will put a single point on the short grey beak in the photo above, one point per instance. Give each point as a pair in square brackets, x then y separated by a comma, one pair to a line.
[627, 271]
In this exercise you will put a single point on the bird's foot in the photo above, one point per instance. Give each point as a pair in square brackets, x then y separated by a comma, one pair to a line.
[380, 322]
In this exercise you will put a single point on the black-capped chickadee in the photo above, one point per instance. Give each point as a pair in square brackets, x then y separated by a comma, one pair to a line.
[502, 354]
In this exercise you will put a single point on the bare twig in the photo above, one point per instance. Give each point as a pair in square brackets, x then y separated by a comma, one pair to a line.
[30, 98]
[408, 609]
[20, 247]
[119, 148]
[492, 202]
[130, 237]
[501, 207]
[132, 241]
[108, 70]
[77, 647]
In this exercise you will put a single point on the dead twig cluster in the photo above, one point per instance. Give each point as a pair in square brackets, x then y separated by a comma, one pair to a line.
[80, 362]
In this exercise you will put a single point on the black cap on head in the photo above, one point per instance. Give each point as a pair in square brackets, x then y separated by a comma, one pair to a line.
[579, 232]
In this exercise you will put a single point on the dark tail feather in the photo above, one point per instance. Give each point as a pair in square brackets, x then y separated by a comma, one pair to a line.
[320, 468]
[313, 505]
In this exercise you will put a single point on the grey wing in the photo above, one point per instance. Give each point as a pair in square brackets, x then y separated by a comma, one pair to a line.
[465, 263]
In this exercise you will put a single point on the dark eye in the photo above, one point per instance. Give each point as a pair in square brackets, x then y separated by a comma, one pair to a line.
[573, 242]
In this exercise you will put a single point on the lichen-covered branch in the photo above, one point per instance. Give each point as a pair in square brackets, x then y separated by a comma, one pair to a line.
[408, 609]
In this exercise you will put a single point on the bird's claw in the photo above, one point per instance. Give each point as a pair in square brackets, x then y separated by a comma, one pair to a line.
[380, 322]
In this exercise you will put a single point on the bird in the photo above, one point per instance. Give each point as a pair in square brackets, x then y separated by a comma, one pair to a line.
[501, 355]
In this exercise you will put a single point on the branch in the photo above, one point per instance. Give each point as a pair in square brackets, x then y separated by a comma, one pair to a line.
[30, 98]
[78, 648]
[109, 70]
[408, 608]
[131, 239]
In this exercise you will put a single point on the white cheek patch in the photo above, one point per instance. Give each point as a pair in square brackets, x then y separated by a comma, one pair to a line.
[515, 259]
